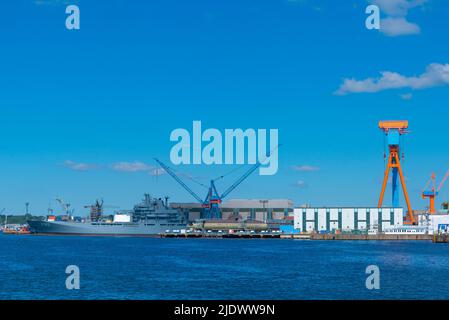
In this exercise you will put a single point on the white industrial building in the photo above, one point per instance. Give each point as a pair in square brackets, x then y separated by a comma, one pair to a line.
[347, 219]
[432, 222]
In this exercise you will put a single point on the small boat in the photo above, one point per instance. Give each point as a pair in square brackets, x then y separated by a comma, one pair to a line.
[14, 228]
[18, 230]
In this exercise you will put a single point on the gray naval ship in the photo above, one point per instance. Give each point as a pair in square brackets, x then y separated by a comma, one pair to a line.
[149, 218]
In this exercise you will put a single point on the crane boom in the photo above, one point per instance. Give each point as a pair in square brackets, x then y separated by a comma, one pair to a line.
[174, 176]
[65, 206]
[211, 205]
[240, 180]
[430, 182]
[246, 175]
[443, 181]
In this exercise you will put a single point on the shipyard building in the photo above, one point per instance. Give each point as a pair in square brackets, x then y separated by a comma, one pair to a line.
[434, 223]
[243, 209]
[347, 219]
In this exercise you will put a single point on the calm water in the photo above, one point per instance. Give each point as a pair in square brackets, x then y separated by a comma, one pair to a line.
[139, 268]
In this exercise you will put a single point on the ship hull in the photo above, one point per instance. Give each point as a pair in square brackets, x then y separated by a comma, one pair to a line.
[100, 229]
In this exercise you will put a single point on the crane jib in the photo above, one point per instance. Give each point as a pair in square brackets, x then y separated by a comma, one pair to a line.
[213, 199]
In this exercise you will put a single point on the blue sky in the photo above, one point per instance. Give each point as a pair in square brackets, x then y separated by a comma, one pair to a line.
[85, 111]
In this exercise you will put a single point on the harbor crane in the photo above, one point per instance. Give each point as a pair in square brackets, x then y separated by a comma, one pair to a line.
[434, 191]
[211, 204]
[65, 206]
[96, 209]
[6, 216]
[393, 131]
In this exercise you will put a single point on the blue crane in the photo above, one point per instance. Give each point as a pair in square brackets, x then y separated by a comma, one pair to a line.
[211, 205]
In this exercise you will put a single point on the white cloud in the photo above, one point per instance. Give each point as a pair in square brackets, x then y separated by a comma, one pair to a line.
[135, 166]
[78, 166]
[397, 7]
[436, 74]
[306, 168]
[396, 23]
[398, 27]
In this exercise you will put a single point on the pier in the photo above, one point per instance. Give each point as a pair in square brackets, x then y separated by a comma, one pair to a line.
[387, 237]
[307, 236]
[224, 235]
[441, 238]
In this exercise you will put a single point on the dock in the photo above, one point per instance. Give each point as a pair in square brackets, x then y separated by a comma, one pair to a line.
[223, 235]
[441, 238]
[296, 236]
[386, 237]
[307, 236]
